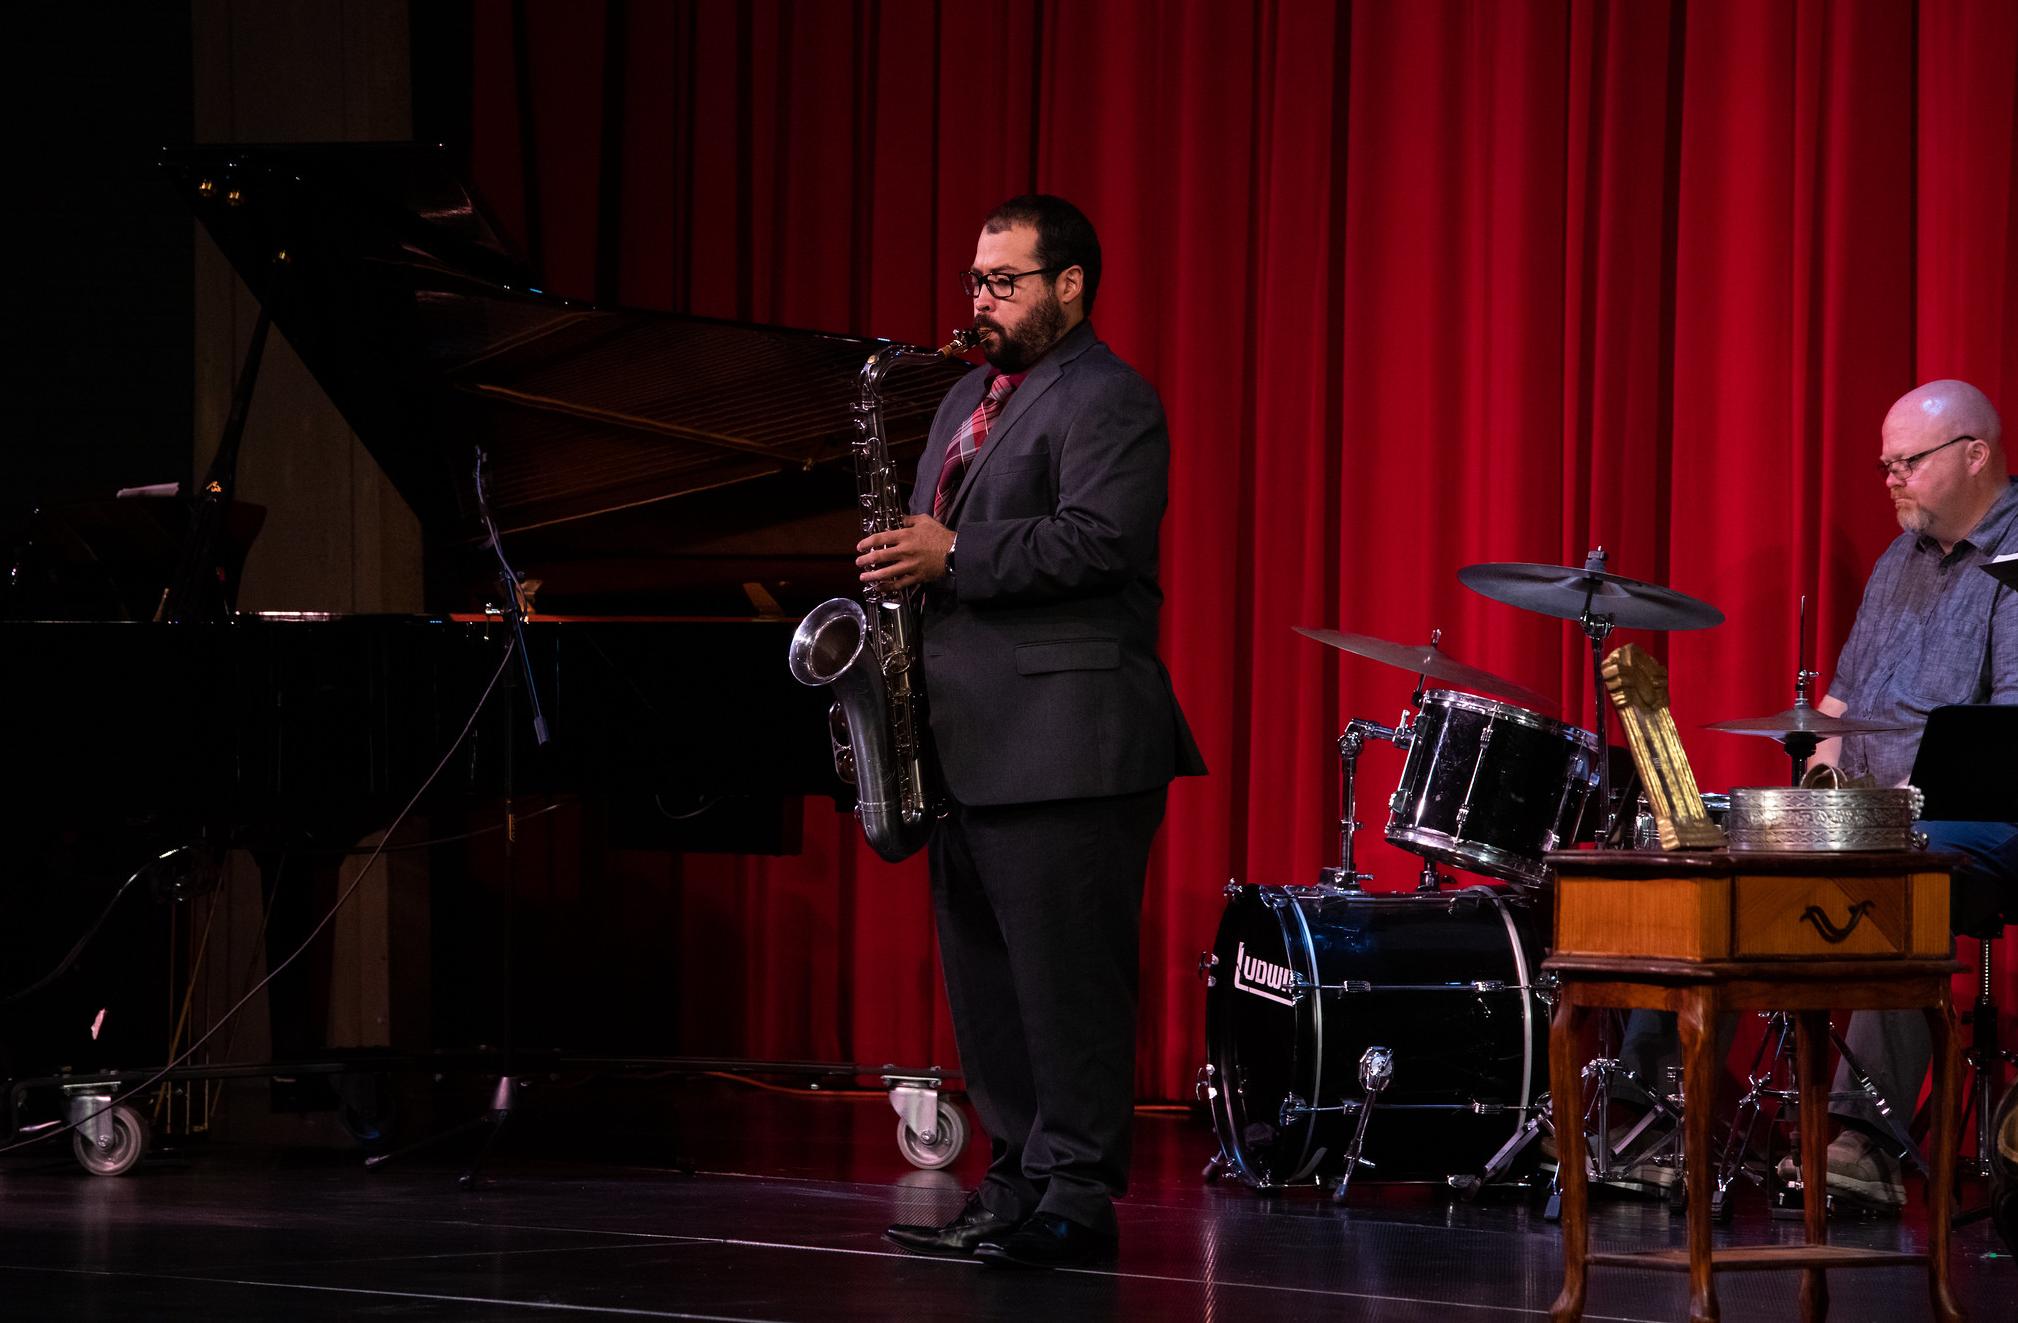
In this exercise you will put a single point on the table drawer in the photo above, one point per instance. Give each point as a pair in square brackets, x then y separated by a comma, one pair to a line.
[1822, 915]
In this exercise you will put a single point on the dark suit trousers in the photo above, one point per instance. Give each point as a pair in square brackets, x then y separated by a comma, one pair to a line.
[1040, 918]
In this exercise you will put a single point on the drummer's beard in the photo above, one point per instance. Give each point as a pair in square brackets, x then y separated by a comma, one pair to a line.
[1912, 515]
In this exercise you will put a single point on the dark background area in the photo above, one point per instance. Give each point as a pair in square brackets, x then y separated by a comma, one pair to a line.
[102, 376]
[103, 280]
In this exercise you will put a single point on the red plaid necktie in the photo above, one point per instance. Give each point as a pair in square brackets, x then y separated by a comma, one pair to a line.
[966, 442]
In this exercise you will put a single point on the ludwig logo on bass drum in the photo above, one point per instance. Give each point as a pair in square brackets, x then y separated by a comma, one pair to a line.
[1258, 976]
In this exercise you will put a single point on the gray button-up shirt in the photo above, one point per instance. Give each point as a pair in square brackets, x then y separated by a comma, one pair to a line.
[1932, 629]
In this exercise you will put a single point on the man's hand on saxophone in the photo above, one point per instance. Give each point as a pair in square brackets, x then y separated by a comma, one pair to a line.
[905, 557]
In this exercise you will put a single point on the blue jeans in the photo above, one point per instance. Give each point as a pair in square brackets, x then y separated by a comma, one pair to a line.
[1894, 1046]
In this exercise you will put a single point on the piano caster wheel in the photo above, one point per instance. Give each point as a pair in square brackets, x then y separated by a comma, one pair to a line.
[123, 1148]
[945, 1143]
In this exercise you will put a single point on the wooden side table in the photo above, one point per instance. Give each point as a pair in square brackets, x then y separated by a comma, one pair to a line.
[1702, 934]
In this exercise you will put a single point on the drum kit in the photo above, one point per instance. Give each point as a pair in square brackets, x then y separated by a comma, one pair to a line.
[1325, 1003]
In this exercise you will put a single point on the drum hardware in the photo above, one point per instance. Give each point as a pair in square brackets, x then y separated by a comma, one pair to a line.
[1296, 1109]
[1346, 876]
[1365, 985]
[1464, 800]
[1613, 1080]
[1376, 1068]
[1779, 1085]
[1599, 602]
[1427, 663]
[1533, 1126]
[1801, 729]
[1429, 879]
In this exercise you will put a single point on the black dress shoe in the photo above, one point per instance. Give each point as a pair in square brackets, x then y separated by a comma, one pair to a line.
[974, 1225]
[1049, 1241]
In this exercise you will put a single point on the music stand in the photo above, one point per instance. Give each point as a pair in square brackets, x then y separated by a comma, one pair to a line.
[1963, 769]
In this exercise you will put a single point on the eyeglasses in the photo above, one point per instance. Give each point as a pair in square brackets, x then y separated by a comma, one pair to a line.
[1002, 284]
[1902, 469]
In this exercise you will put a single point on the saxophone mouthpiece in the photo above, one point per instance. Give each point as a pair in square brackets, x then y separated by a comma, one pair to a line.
[964, 341]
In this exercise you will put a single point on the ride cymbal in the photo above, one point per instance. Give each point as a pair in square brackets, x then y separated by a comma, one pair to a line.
[1568, 591]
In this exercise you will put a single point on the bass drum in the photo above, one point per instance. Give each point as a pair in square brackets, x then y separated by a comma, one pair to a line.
[1301, 981]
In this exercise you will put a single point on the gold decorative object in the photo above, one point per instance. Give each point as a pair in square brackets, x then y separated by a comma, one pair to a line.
[1638, 687]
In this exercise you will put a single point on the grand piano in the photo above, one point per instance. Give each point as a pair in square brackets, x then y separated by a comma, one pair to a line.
[679, 489]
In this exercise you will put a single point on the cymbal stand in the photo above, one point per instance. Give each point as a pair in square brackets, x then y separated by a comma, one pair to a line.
[1801, 744]
[1597, 628]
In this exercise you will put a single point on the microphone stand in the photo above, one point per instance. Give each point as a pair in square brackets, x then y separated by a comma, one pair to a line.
[504, 1093]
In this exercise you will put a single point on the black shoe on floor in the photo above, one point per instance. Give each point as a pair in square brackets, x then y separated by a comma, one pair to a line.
[958, 1237]
[1049, 1241]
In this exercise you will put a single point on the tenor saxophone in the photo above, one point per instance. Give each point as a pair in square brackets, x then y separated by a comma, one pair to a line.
[866, 652]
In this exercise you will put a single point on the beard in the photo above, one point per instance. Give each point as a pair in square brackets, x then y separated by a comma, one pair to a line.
[1912, 516]
[1014, 351]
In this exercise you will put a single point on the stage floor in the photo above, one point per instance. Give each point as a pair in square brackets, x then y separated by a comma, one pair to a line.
[584, 1214]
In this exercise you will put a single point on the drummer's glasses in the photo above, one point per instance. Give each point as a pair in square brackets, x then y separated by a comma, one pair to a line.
[1002, 284]
[1902, 469]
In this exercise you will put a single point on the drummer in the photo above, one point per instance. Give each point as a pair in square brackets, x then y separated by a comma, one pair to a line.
[1932, 630]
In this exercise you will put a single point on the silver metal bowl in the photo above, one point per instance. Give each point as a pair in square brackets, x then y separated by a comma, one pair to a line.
[1795, 818]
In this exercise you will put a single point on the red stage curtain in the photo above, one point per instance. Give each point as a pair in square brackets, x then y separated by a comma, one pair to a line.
[1422, 284]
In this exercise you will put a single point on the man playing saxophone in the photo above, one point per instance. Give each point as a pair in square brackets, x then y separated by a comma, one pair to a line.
[1034, 531]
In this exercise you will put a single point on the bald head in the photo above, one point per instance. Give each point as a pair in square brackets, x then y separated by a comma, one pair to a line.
[1954, 407]
[1950, 432]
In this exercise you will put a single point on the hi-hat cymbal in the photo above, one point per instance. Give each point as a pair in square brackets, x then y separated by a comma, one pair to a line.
[1427, 660]
[1804, 720]
[1567, 591]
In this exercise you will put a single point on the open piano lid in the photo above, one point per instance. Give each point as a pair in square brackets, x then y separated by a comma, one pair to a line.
[428, 335]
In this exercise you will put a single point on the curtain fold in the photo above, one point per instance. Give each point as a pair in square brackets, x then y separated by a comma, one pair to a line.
[1421, 285]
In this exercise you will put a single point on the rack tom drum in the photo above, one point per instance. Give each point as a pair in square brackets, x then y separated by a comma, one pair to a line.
[1491, 787]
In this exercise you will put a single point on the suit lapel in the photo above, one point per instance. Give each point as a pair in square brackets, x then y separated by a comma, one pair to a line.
[1041, 379]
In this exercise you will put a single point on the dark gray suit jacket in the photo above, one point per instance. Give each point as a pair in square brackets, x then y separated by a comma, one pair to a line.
[1040, 653]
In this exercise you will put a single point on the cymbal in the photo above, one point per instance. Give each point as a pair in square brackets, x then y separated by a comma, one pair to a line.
[1804, 720]
[1429, 661]
[1564, 590]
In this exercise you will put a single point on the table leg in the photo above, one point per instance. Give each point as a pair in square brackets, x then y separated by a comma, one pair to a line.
[1566, 1102]
[1699, 1075]
[1811, 1061]
[1941, 1180]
